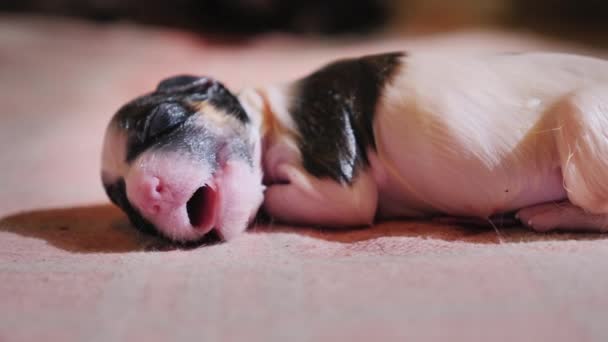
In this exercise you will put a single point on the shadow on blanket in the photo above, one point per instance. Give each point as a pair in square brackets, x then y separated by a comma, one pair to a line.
[87, 229]
[104, 229]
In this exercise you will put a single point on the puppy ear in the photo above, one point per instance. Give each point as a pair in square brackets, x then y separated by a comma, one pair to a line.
[179, 81]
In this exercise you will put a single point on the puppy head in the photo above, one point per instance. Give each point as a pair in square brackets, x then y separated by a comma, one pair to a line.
[184, 160]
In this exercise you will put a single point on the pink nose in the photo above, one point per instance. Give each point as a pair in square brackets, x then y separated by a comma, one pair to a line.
[149, 195]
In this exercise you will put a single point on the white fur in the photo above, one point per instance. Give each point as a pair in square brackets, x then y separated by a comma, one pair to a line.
[582, 145]
[471, 136]
[113, 155]
[479, 131]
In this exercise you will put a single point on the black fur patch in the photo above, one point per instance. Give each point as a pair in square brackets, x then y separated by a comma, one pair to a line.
[333, 109]
[173, 82]
[152, 119]
[118, 195]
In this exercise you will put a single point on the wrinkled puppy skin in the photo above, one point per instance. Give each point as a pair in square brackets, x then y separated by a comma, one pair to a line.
[381, 136]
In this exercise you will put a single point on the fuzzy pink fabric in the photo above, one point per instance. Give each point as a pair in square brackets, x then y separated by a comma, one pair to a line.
[71, 268]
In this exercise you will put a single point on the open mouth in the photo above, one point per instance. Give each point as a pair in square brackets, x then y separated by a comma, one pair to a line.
[201, 207]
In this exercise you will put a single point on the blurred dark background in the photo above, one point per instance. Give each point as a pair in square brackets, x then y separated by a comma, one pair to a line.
[223, 16]
[581, 19]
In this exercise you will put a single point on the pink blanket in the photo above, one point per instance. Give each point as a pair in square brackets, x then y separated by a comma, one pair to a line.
[71, 268]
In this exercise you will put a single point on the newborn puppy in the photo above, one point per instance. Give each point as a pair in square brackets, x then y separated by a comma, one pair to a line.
[380, 136]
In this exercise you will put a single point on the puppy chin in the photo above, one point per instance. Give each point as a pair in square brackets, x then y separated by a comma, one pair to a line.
[242, 194]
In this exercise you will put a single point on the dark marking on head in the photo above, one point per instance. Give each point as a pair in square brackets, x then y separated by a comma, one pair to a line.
[333, 109]
[158, 122]
[118, 195]
[195, 141]
[207, 89]
[229, 103]
[158, 119]
[173, 82]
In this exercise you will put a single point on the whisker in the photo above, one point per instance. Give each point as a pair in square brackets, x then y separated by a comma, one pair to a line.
[498, 234]
[548, 130]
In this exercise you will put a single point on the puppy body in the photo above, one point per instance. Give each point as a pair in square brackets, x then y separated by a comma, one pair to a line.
[397, 135]
[466, 137]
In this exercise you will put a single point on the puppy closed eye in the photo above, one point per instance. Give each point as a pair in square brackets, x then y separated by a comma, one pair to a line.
[164, 118]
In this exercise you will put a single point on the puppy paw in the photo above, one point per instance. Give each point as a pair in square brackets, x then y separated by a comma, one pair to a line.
[561, 216]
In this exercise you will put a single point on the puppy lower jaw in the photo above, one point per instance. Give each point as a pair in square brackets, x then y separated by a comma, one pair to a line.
[241, 195]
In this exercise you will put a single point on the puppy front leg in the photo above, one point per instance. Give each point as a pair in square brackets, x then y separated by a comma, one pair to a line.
[306, 199]
[581, 138]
